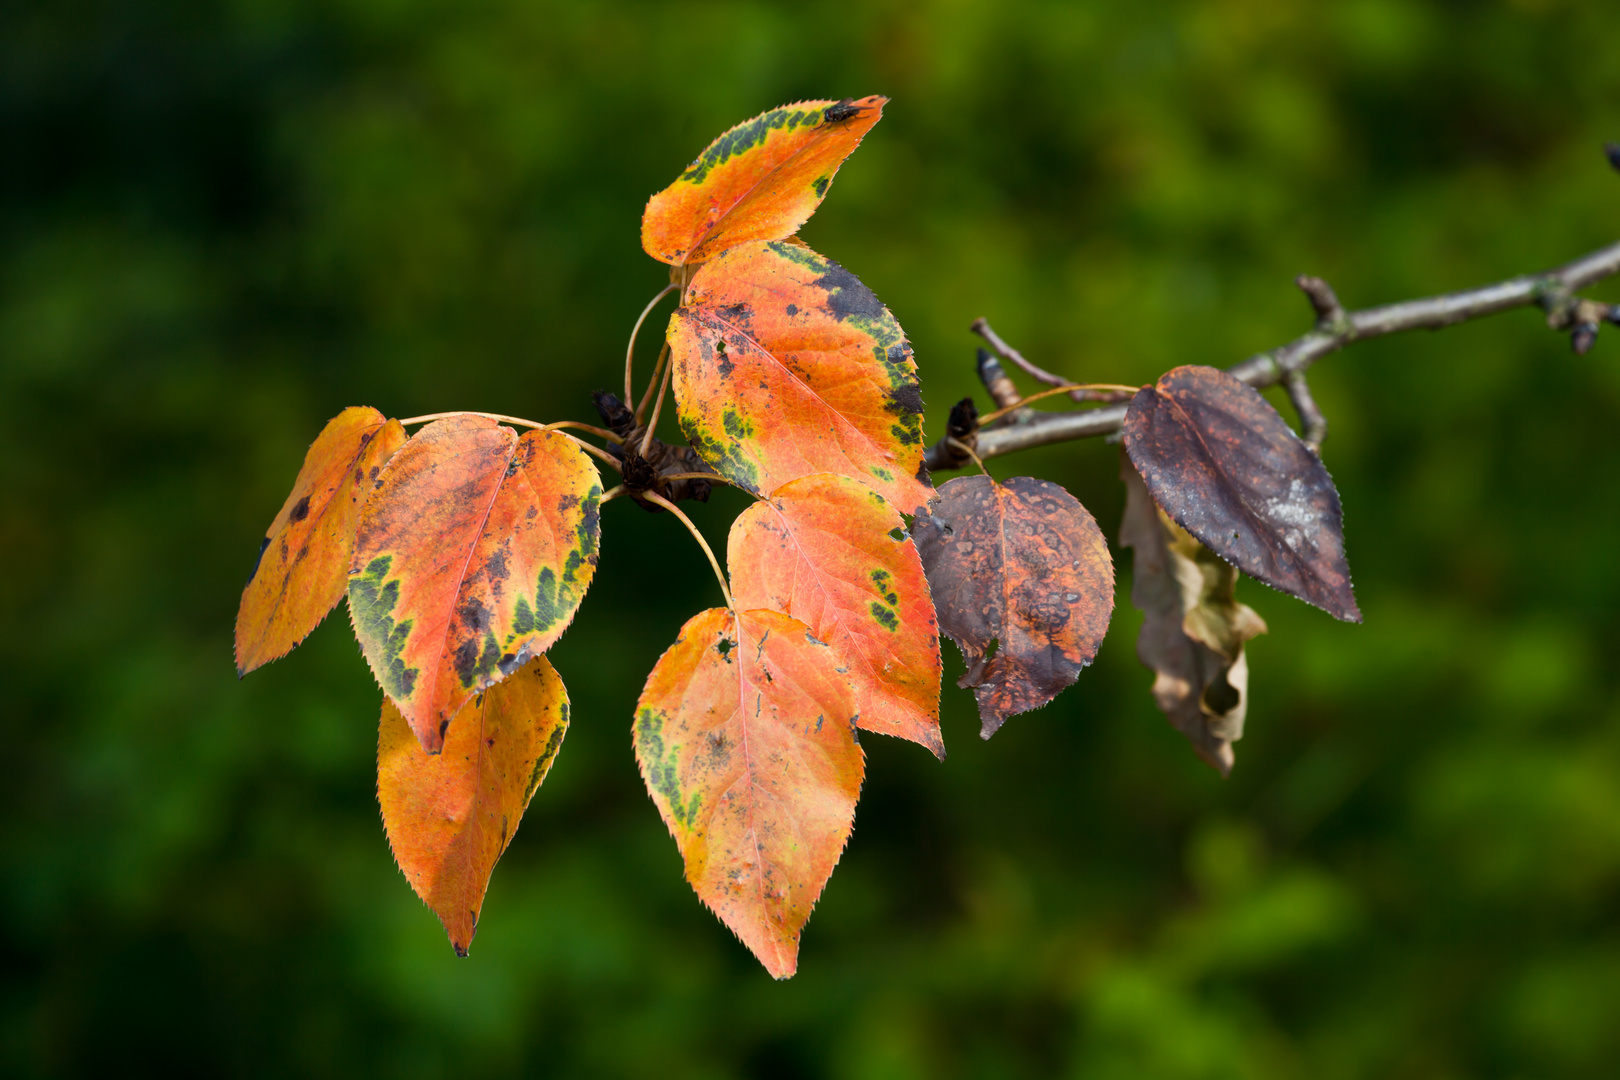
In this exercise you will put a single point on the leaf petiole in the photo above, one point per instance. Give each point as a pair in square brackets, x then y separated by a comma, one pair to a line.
[658, 407]
[518, 420]
[630, 352]
[958, 444]
[1117, 388]
[658, 370]
[725, 590]
[601, 433]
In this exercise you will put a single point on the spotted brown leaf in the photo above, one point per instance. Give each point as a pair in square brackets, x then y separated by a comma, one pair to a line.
[1221, 462]
[1022, 581]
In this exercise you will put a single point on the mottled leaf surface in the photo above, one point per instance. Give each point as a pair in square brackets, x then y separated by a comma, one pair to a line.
[746, 739]
[1193, 628]
[450, 815]
[1221, 462]
[787, 366]
[759, 181]
[1022, 581]
[471, 556]
[303, 565]
[833, 554]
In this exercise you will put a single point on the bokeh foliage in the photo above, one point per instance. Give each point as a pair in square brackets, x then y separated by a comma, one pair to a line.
[222, 222]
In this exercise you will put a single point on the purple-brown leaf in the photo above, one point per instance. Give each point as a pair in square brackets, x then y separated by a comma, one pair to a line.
[1221, 462]
[1022, 581]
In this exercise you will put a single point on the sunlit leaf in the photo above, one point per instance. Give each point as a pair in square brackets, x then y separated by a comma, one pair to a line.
[1022, 581]
[833, 554]
[1221, 462]
[1193, 628]
[450, 815]
[471, 556]
[786, 366]
[746, 739]
[303, 566]
[759, 181]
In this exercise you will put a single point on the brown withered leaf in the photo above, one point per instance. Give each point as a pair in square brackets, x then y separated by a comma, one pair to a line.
[1022, 581]
[1221, 462]
[1194, 628]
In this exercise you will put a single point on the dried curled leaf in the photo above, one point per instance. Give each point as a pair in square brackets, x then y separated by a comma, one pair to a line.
[785, 365]
[1022, 581]
[450, 816]
[759, 181]
[745, 734]
[303, 565]
[1221, 462]
[830, 552]
[471, 556]
[1194, 628]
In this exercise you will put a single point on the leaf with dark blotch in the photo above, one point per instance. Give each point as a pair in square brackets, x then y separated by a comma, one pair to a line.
[785, 365]
[303, 565]
[745, 734]
[830, 552]
[471, 556]
[450, 816]
[759, 181]
[1193, 628]
[1221, 462]
[1022, 581]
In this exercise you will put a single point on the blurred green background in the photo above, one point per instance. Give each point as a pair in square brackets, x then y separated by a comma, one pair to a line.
[222, 221]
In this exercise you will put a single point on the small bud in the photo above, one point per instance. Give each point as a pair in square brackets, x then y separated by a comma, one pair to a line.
[1582, 338]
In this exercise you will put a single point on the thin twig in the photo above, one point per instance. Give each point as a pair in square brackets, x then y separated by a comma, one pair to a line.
[1553, 290]
[725, 590]
[1313, 425]
[630, 351]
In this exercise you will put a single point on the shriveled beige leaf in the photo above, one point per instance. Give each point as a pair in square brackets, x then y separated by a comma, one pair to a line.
[1193, 634]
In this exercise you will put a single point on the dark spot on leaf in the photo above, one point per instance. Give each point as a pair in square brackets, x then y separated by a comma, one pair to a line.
[300, 510]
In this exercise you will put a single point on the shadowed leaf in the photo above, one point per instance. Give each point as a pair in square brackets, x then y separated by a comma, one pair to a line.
[1022, 581]
[1194, 628]
[823, 549]
[745, 737]
[471, 556]
[786, 366]
[759, 181]
[303, 565]
[1221, 462]
[449, 816]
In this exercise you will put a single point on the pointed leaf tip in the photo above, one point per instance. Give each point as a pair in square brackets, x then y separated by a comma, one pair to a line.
[450, 816]
[759, 181]
[745, 738]
[1221, 462]
[1020, 567]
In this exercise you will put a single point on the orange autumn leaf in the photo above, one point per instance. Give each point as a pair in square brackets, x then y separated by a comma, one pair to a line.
[471, 556]
[745, 737]
[833, 554]
[303, 566]
[449, 816]
[785, 365]
[759, 181]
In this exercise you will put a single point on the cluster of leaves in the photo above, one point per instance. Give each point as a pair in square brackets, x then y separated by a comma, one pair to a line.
[466, 549]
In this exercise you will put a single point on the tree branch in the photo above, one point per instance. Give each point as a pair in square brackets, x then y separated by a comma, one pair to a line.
[1554, 291]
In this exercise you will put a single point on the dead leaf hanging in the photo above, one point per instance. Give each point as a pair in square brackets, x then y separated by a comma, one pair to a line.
[1221, 462]
[1193, 629]
[1022, 581]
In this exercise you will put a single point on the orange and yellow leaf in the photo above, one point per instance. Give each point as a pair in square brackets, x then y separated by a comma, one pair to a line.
[785, 365]
[745, 737]
[830, 552]
[471, 556]
[449, 816]
[303, 566]
[759, 181]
